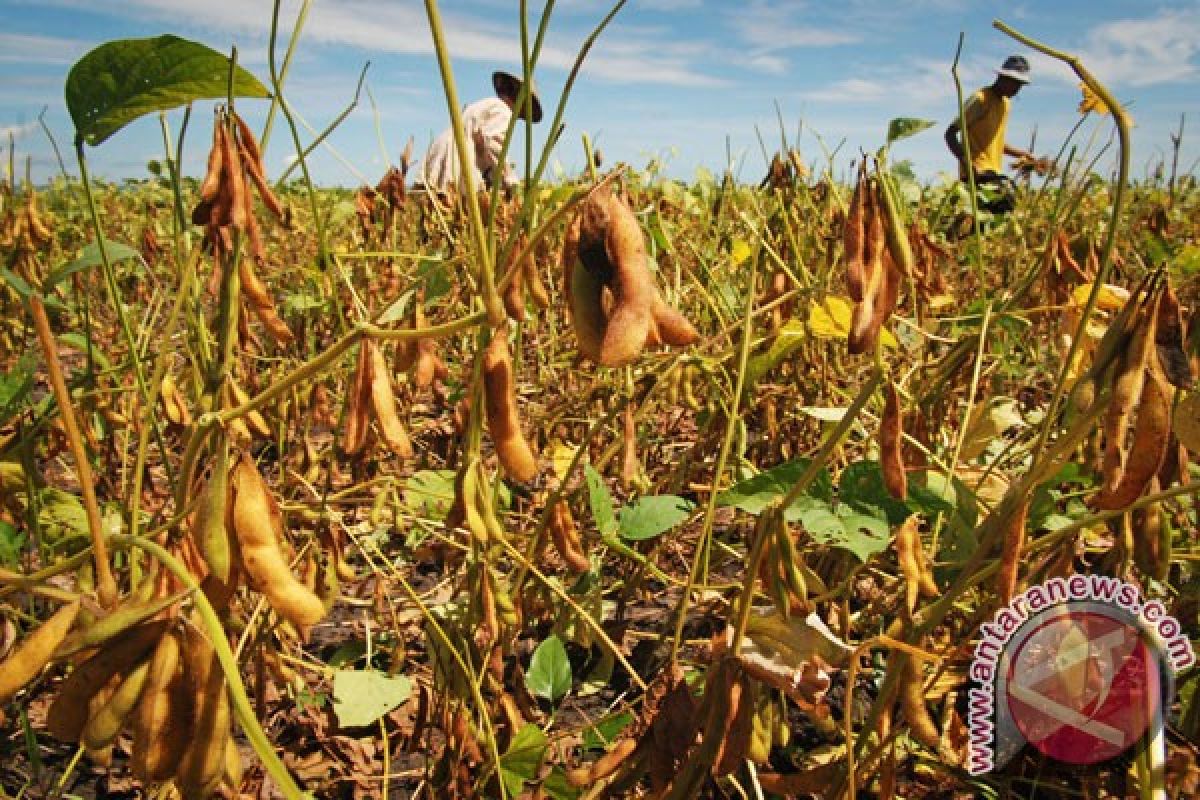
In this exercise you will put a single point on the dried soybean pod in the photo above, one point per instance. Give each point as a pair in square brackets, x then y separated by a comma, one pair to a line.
[533, 283]
[234, 178]
[383, 401]
[1127, 389]
[908, 556]
[1169, 337]
[1010, 553]
[854, 236]
[1152, 539]
[208, 527]
[258, 525]
[203, 761]
[67, 714]
[566, 539]
[514, 294]
[102, 727]
[668, 326]
[863, 318]
[500, 403]
[35, 652]
[212, 176]
[232, 775]
[262, 304]
[897, 234]
[117, 622]
[1151, 435]
[252, 158]
[739, 725]
[162, 721]
[632, 285]
[604, 766]
[630, 465]
[890, 435]
[912, 702]
[358, 399]
[255, 422]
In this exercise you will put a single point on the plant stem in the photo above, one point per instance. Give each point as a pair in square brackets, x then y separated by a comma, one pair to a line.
[106, 585]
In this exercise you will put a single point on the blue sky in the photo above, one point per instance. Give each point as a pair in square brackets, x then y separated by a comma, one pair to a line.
[686, 81]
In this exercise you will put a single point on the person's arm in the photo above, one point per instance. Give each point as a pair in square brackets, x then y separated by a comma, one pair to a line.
[1017, 152]
[953, 142]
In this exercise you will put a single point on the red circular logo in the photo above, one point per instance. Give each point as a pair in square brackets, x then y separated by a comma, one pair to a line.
[1083, 686]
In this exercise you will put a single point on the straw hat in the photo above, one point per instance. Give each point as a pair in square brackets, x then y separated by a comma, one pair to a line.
[509, 85]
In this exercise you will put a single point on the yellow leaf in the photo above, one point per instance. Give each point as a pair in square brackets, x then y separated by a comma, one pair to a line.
[1111, 298]
[739, 251]
[561, 456]
[1091, 101]
[830, 319]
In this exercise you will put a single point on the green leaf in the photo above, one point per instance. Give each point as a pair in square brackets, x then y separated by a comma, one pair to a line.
[521, 762]
[90, 257]
[904, 127]
[361, 697]
[606, 731]
[18, 284]
[12, 542]
[861, 487]
[601, 501]
[549, 674]
[557, 787]
[430, 492]
[861, 534]
[122, 80]
[397, 309]
[755, 494]
[15, 386]
[434, 274]
[651, 516]
[787, 341]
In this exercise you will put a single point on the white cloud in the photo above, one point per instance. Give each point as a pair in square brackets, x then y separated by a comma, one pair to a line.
[21, 48]
[1164, 48]
[404, 29]
[768, 30]
[1144, 52]
[17, 131]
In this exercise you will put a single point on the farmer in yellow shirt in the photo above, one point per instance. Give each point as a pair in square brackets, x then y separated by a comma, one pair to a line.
[986, 117]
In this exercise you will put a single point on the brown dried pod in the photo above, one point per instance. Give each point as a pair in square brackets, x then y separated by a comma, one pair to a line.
[1010, 553]
[912, 702]
[854, 236]
[910, 556]
[212, 176]
[500, 403]
[383, 401]
[603, 250]
[1151, 435]
[1169, 338]
[890, 436]
[1127, 389]
[565, 536]
[358, 398]
[262, 304]
[863, 331]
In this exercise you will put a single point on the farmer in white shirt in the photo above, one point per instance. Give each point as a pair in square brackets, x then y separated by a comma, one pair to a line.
[485, 123]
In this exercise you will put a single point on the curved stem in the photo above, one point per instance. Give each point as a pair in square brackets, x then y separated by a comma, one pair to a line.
[106, 585]
[1122, 122]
